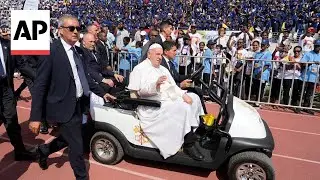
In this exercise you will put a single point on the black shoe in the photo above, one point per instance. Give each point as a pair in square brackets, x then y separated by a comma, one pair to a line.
[25, 156]
[42, 159]
[194, 153]
[43, 128]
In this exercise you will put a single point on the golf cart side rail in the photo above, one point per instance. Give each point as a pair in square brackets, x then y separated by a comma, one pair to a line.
[228, 114]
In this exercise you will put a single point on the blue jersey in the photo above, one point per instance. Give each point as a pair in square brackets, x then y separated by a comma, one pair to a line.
[264, 63]
[311, 73]
[207, 61]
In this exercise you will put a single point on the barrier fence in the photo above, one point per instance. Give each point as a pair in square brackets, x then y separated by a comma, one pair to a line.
[256, 81]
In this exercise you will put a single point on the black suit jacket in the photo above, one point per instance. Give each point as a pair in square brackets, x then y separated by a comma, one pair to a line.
[11, 62]
[102, 53]
[54, 86]
[158, 40]
[30, 66]
[29, 69]
[95, 68]
[178, 78]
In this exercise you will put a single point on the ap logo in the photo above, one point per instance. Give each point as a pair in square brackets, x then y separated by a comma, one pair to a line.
[30, 32]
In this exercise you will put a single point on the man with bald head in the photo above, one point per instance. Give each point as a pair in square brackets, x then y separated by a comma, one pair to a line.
[60, 89]
[89, 41]
[172, 125]
[107, 80]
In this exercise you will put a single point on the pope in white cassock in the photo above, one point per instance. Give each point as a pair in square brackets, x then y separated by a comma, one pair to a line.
[173, 124]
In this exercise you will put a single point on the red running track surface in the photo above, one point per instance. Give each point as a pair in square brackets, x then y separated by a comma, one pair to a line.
[296, 155]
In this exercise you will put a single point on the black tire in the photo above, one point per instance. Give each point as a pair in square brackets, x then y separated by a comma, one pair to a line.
[251, 157]
[118, 153]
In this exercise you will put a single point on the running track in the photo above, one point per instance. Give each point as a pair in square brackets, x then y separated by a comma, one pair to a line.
[296, 156]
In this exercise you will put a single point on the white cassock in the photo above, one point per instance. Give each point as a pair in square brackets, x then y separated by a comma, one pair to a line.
[165, 126]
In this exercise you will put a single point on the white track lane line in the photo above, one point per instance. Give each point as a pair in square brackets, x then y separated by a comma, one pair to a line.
[280, 112]
[290, 130]
[298, 159]
[89, 161]
[22, 107]
[289, 113]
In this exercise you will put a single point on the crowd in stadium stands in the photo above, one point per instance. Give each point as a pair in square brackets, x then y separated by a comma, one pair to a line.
[207, 14]
[131, 26]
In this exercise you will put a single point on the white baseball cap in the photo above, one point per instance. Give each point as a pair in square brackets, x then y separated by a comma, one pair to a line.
[143, 33]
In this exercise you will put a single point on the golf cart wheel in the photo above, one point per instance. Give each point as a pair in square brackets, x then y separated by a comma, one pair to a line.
[250, 166]
[106, 149]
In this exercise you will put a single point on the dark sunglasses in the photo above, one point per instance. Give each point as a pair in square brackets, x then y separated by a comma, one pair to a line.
[72, 28]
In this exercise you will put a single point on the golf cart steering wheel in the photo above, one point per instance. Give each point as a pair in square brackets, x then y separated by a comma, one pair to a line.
[196, 74]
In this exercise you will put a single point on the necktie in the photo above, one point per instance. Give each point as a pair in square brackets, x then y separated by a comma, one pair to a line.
[171, 67]
[95, 57]
[81, 73]
[2, 72]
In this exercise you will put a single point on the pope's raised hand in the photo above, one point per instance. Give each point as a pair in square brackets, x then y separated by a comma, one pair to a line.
[161, 81]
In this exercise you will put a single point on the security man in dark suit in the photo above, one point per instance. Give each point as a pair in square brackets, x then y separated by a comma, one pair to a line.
[8, 111]
[166, 28]
[29, 74]
[61, 85]
[102, 49]
[169, 53]
[30, 67]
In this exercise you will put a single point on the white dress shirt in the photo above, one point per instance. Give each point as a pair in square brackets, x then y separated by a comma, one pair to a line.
[119, 37]
[163, 38]
[95, 57]
[2, 59]
[67, 48]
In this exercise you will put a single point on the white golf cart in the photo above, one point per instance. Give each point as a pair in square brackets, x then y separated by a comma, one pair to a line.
[239, 145]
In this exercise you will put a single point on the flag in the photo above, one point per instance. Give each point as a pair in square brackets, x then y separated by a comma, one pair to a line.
[31, 5]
